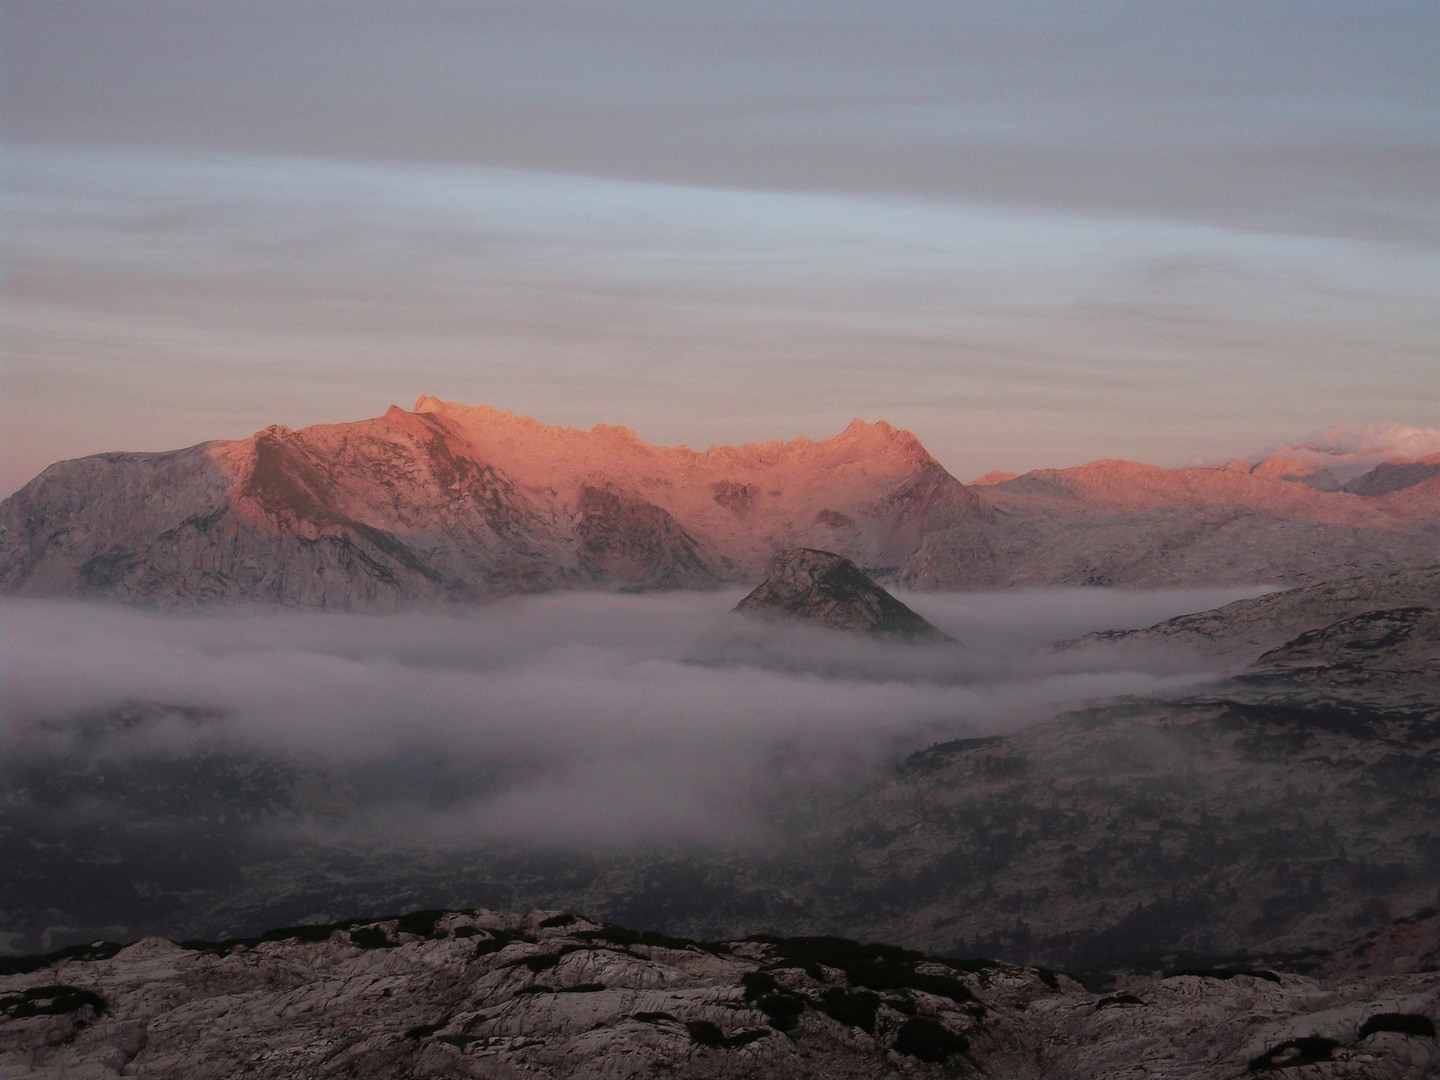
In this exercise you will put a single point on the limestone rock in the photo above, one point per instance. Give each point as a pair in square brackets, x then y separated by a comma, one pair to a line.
[1241, 631]
[477, 993]
[456, 503]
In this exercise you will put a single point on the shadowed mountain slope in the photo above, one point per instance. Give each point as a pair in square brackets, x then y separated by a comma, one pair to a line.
[830, 590]
[1396, 475]
[1400, 646]
[1243, 630]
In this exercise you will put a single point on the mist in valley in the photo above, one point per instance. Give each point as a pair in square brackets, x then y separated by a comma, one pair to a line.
[150, 758]
[579, 718]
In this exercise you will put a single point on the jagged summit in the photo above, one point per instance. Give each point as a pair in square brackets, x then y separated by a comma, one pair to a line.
[462, 502]
[1276, 467]
[830, 590]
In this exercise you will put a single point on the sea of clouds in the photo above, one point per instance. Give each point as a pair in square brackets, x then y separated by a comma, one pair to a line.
[574, 719]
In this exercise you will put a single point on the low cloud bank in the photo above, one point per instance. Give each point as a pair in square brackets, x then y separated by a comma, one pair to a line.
[574, 719]
[1397, 439]
[1349, 450]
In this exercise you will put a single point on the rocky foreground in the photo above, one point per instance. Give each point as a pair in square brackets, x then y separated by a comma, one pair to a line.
[483, 994]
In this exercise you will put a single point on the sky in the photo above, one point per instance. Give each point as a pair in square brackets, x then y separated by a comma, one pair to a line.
[1035, 234]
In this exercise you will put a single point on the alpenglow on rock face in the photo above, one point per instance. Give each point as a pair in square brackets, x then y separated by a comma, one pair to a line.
[830, 590]
[452, 502]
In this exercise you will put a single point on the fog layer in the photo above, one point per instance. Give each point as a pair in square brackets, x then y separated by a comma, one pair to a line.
[577, 719]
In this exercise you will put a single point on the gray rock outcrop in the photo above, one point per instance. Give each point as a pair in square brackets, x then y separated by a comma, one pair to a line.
[480, 994]
[1241, 631]
[829, 590]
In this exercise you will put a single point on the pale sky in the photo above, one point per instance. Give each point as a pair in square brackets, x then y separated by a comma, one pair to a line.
[1034, 234]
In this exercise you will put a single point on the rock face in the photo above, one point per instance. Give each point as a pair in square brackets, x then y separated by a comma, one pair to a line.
[1241, 631]
[1399, 647]
[450, 502]
[456, 502]
[830, 590]
[1122, 523]
[479, 994]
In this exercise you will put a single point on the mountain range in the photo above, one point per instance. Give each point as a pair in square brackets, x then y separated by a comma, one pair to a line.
[454, 502]
[1221, 871]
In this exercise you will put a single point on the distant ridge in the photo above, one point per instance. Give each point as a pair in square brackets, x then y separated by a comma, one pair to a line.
[454, 502]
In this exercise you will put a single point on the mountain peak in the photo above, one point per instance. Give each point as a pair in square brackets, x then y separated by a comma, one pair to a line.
[881, 438]
[830, 590]
[469, 501]
[615, 431]
[993, 477]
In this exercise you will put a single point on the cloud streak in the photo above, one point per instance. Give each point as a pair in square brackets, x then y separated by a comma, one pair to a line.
[166, 298]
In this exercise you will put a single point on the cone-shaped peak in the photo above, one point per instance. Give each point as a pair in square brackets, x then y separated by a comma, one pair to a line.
[830, 590]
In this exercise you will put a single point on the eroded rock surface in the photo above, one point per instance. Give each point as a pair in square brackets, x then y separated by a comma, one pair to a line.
[481, 994]
[1241, 631]
[1397, 647]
